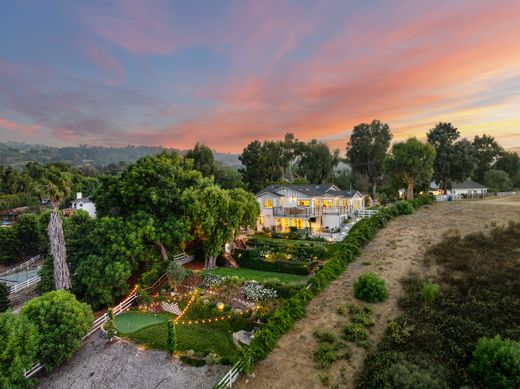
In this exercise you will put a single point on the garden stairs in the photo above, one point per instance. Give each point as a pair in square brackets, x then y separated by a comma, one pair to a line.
[229, 259]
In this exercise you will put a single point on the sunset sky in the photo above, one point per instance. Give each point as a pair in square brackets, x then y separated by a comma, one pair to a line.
[224, 73]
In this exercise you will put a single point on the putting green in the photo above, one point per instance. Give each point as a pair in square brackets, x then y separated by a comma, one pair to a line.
[130, 322]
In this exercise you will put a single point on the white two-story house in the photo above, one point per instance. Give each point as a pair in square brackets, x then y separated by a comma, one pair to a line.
[313, 208]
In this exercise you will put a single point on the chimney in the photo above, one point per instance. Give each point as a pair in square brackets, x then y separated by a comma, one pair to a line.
[78, 196]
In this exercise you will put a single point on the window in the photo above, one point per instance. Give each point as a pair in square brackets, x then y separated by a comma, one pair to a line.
[303, 203]
[268, 203]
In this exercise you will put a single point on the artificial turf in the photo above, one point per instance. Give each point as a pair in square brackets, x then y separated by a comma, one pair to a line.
[130, 322]
[258, 275]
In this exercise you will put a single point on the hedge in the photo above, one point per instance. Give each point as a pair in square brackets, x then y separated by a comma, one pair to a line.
[250, 259]
[294, 308]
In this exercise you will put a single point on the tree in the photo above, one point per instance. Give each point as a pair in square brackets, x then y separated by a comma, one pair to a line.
[228, 177]
[366, 151]
[153, 188]
[176, 274]
[254, 171]
[55, 185]
[487, 152]
[497, 180]
[61, 321]
[29, 235]
[19, 340]
[411, 162]
[5, 304]
[316, 164]
[454, 160]
[510, 163]
[203, 159]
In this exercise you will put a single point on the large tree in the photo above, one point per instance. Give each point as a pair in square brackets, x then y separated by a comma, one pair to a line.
[317, 163]
[497, 180]
[487, 152]
[410, 163]
[203, 159]
[510, 163]
[454, 160]
[152, 192]
[55, 187]
[366, 151]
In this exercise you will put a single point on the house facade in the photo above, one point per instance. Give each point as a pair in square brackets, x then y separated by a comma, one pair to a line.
[468, 188]
[311, 208]
[83, 203]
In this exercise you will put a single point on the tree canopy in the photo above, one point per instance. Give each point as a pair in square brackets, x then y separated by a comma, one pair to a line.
[411, 163]
[366, 151]
[454, 159]
[487, 152]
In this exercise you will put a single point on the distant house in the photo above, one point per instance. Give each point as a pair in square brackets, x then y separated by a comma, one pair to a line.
[83, 203]
[306, 207]
[468, 188]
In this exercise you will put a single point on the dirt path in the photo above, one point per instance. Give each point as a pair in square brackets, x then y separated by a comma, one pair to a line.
[394, 252]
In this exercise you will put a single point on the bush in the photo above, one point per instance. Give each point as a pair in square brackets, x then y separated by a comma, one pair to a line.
[430, 291]
[356, 333]
[325, 336]
[19, 340]
[327, 353]
[405, 207]
[255, 291]
[5, 304]
[405, 375]
[370, 287]
[61, 321]
[250, 259]
[496, 363]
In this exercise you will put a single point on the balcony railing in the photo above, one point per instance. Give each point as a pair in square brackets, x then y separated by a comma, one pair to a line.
[308, 212]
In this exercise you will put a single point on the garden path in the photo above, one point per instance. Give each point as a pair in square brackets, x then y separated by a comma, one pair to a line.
[394, 252]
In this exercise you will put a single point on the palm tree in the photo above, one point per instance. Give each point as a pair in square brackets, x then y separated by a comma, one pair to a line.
[55, 186]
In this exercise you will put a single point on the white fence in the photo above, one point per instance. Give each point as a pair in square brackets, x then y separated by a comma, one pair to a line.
[120, 308]
[231, 376]
[25, 284]
[21, 266]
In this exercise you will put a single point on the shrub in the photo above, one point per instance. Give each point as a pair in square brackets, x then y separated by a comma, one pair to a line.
[370, 287]
[19, 340]
[325, 336]
[406, 375]
[326, 353]
[176, 274]
[496, 363]
[211, 280]
[430, 291]
[255, 291]
[4, 297]
[405, 207]
[363, 320]
[62, 322]
[356, 333]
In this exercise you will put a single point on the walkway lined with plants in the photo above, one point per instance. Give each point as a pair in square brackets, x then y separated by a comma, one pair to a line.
[394, 252]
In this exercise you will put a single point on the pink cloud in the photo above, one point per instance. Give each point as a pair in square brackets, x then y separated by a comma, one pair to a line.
[27, 129]
[104, 60]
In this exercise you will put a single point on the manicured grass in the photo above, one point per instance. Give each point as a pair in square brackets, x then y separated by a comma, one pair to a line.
[203, 338]
[258, 275]
[130, 322]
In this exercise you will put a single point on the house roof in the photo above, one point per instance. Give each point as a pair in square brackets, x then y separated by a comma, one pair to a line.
[309, 190]
[468, 184]
[83, 200]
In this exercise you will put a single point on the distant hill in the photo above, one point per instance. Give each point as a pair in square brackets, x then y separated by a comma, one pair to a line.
[18, 154]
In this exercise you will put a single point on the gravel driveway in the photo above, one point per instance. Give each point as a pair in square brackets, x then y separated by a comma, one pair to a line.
[99, 364]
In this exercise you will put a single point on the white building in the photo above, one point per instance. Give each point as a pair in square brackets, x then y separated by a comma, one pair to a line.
[85, 204]
[306, 207]
[467, 188]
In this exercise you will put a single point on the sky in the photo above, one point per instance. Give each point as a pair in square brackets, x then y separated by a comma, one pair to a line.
[224, 73]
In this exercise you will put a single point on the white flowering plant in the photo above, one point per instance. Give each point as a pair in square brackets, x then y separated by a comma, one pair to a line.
[254, 291]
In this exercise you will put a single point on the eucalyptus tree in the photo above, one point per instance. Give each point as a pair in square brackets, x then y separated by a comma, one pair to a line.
[54, 186]
[366, 151]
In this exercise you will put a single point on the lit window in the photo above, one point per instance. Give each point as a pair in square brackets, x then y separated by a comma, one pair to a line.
[303, 203]
[268, 203]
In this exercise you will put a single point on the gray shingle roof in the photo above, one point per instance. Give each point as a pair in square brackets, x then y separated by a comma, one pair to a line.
[309, 190]
[468, 184]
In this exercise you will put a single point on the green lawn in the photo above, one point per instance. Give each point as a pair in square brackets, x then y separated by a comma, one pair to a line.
[258, 275]
[130, 322]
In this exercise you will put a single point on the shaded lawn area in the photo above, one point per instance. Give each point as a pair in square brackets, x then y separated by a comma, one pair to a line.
[258, 275]
[130, 322]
